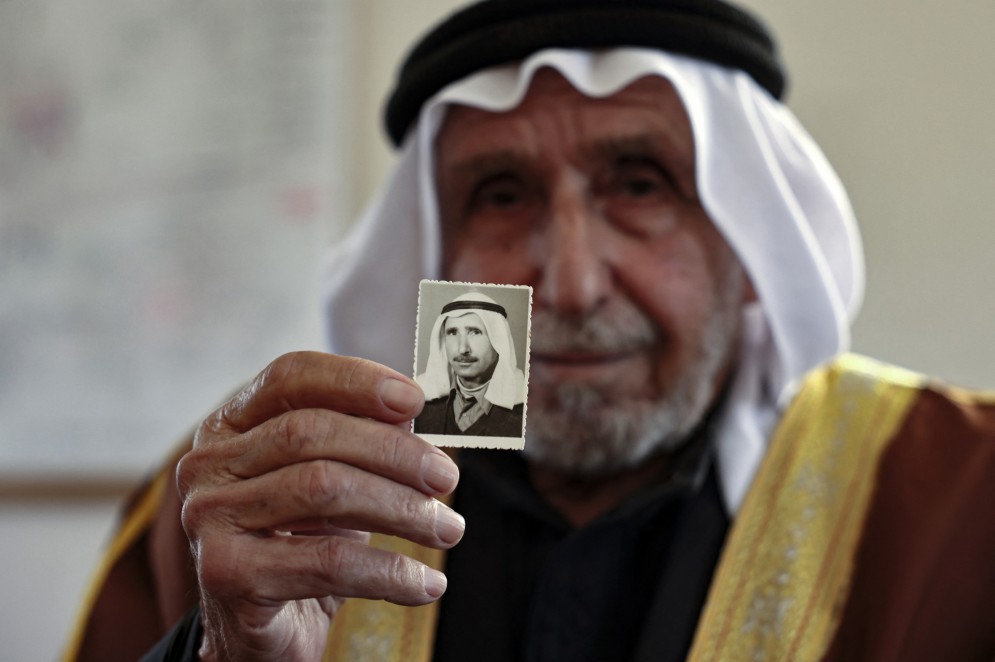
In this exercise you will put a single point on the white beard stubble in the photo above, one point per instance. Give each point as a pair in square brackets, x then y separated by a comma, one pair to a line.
[587, 430]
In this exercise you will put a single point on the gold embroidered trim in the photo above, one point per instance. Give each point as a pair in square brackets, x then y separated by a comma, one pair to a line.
[366, 630]
[784, 573]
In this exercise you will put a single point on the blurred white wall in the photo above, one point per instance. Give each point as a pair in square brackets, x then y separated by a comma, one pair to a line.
[897, 93]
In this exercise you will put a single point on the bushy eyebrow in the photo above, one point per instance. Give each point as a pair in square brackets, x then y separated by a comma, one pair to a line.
[621, 145]
[481, 165]
[642, 144]
[453, 329]
[608, 147]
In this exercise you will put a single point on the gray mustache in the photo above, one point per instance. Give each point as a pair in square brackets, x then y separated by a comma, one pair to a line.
[617, 327]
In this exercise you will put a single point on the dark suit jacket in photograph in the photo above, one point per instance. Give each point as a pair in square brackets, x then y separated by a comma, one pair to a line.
[438, 417]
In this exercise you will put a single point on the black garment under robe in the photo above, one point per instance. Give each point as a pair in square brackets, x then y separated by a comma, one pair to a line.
[524, 585]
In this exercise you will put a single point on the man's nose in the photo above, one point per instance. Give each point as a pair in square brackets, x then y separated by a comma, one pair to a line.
[575, 274]
[464, 344]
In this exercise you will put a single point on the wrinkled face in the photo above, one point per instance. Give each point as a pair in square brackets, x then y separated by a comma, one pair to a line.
[636, 303]
[469, 350]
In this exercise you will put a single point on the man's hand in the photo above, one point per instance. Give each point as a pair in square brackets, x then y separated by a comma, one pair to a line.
[282, 486]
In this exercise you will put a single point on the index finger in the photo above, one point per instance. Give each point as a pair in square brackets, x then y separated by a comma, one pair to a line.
[313, 380]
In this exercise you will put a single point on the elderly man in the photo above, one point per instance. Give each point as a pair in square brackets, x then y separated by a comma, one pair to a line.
[706, 474]
[472, 383]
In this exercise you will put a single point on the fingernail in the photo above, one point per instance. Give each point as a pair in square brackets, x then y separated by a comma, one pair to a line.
[439, 472]
[435, 582]
[449, 525]
[399, 396]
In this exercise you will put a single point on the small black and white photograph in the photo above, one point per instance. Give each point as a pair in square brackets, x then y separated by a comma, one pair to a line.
[472, 362]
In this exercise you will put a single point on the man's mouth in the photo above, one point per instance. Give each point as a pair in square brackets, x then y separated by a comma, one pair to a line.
[583, 358]
[588, 366]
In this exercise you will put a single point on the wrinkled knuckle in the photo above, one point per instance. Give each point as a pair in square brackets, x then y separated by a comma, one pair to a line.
[215, 571]
[303, 431]
[402, 571]
[295, 431]
[393, 448]
[278, 372]
[350, 372]
[209, 427]
[185, 473]
[189, 468]
[197, 509]
[322, 482]
[273, 374]
[335, 558]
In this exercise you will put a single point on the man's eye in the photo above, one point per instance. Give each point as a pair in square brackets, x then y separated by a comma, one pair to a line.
[498, 193]
[450, 332]
[640, 180]
[503, 198]
[639, 187]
